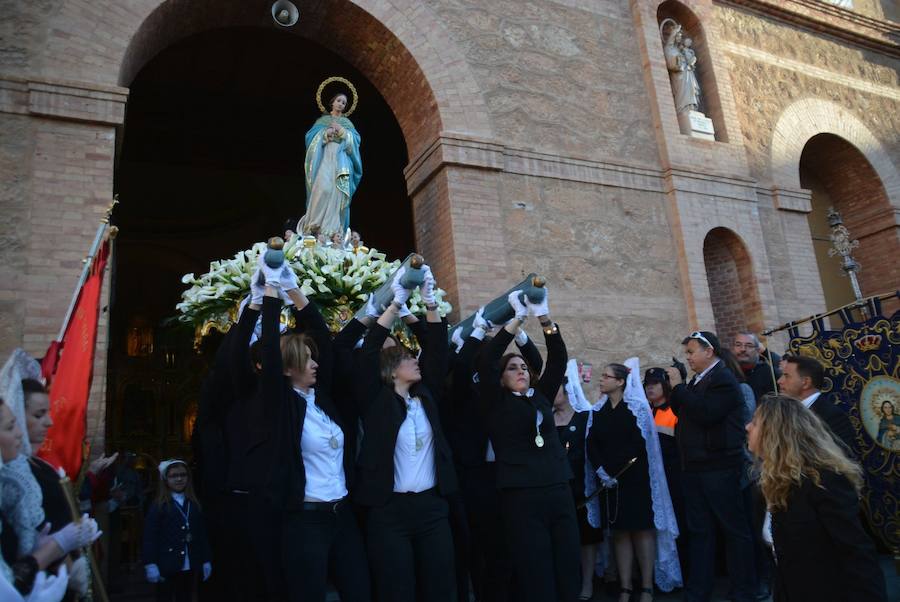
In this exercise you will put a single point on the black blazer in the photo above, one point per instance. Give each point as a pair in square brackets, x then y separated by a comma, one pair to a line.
[822, 552]
[467, 427]
[837, 421]
[245, 429]
[759, 377]
[164, 538]
[383, 411]
[511, 418]
[710, 433]
[279, 412]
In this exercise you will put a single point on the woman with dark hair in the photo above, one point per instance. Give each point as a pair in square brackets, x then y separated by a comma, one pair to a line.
[624, 452]
[532, 471]
[405, 467]
[571, 426]
[658, 390]
[812, 489]
[56, 508]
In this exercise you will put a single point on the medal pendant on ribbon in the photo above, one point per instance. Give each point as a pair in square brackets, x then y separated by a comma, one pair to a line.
[333, 443]
[539, 441]
[419, 445]
[187, 538]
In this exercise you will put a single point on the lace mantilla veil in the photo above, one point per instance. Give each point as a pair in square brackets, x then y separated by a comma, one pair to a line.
[667, 568]
[21, 501]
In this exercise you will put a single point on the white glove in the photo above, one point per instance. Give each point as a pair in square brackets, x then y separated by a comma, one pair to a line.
[257, 288]
[401, 295]
[272, 275]
[607, 481]
[74, 536]
[288, 278]
[285, 298]
[152, 573]
[427, 288]
[49, 589]
[538, 309]
[79, 576]
[521, 337]
[518, 307]
[456, 338]
[207, 570]
[372, 311]
[479, 322]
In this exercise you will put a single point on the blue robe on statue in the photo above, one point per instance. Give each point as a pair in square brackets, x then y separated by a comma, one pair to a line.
[333, 169]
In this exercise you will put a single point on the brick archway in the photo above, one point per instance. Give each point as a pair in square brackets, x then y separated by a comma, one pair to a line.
[839, 175]
[811, 116]
[400, 46]
[733, 292]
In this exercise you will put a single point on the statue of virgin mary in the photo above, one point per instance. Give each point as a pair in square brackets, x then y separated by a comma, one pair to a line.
[333, 169]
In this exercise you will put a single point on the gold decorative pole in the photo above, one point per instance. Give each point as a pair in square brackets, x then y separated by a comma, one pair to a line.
[88, 262]
[66, 486]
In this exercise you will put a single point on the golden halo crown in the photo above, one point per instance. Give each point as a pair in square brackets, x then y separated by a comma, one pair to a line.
[346, 82]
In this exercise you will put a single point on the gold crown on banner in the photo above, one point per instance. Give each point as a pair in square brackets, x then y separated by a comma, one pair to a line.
[870, 342]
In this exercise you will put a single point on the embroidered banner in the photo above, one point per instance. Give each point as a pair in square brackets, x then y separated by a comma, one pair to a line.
[862, 362]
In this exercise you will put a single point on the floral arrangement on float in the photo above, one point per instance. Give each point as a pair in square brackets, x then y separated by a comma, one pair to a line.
[337, 279]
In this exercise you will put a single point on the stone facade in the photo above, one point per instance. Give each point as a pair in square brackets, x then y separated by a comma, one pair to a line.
[541, 136]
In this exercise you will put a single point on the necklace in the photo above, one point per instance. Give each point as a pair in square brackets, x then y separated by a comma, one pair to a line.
[185, 514]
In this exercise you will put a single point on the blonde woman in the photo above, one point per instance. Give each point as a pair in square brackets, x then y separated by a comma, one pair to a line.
[812, 489]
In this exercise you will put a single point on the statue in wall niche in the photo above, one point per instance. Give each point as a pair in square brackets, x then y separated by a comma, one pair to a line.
[681, 61]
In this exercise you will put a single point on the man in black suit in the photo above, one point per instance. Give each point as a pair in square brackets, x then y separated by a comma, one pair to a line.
[802, 378]
[710, 436]
[758, 372]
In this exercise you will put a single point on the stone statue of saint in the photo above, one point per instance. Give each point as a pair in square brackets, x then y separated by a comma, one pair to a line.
[333, 168]
[681, 61]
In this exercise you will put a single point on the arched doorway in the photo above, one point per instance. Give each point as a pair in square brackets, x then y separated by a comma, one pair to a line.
[732, 286]
[211, 161]
[838, 175]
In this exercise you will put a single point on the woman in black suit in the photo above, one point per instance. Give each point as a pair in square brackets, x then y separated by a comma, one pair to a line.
[812, 492]
[405, 464]
[533, 472]
[312, 468]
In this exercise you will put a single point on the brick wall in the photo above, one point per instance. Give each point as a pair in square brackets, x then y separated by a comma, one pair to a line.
[732, 288]
[858, 194]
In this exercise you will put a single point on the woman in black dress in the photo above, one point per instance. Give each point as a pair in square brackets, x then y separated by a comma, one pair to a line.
[571, 425]
[628, 511]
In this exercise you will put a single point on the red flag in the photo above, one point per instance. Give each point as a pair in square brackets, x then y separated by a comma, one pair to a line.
[49, 361]
[71, 386]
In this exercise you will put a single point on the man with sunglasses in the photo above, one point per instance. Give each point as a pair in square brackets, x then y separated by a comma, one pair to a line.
[710, 436]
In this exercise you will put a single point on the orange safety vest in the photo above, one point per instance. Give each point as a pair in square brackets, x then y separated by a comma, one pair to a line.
[665, 420]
